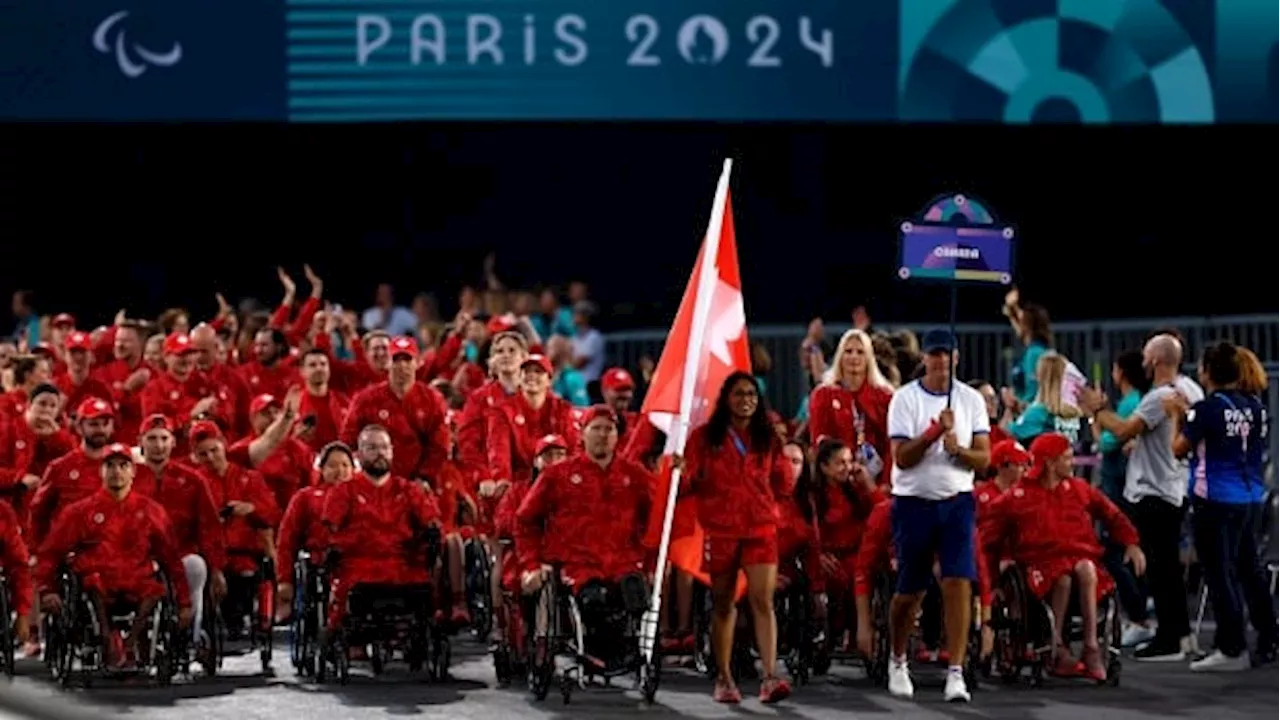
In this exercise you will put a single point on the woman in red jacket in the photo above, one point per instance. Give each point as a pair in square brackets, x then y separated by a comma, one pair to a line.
[735, 467]
[852, 404]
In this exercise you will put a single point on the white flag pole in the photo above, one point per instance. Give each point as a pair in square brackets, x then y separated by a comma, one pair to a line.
[679, 431]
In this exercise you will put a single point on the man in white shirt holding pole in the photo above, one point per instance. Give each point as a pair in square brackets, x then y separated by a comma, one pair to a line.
[938, 430]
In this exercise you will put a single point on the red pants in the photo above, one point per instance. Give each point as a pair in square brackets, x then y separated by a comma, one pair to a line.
[131, 589]
[1042, 576]
[351, 573]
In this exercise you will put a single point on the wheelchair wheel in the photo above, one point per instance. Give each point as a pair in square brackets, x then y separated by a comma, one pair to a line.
[881, 598]
[1009, 616]
[479, 595]
[6, 632]
[542, 654]
[703, 654]
[441, 654]
[1112, 639]
[650, 675]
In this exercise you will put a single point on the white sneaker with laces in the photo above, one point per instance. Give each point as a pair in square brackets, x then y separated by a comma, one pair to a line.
[1217, 662]
[1135, 635]
[955, 689]
[900, 680]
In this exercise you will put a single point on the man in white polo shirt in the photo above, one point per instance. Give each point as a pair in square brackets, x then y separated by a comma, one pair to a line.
[937, 445]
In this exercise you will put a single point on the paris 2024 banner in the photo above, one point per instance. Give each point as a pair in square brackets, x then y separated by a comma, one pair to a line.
[993, 61]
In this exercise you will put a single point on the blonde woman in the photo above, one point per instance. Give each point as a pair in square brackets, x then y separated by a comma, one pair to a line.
[852, 404]
[1050, 411]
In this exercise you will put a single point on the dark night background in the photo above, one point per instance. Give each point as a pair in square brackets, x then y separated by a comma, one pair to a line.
[1114, 222]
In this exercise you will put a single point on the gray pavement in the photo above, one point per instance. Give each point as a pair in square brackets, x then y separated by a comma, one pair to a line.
[1146, 692]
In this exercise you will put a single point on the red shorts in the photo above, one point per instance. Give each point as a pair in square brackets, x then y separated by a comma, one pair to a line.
[723, 555]
[1042, 576]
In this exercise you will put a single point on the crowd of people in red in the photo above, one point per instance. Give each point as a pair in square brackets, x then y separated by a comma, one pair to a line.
[199, 453]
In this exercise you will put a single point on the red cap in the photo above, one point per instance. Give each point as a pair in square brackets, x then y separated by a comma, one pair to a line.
[78, 341]
[546, 442]
[499, 324]
[204, 430]
[63, 320]
[115, 450]
[1009, 452]
[94, 408]
[404, 345]
[155, 421]
[43, 349]
[539, 360]
[617, 379]
[1044, 448]
[262, 402]
[599, 411]
[178, 344]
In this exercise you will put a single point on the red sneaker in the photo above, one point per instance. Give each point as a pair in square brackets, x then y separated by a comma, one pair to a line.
[461, 616]
[774, 690]
[925, 656]
[1092, 666]
[725, 693]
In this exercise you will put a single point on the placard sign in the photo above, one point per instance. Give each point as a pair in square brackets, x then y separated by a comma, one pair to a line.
[956, 239]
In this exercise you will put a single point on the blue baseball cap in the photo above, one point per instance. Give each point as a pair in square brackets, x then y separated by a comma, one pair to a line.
[938, 340]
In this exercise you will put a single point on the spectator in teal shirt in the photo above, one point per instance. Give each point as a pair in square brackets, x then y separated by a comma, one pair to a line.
[1048, 411]
[1031, 325]
[552, 318]
[569, 382]
[1132, 382]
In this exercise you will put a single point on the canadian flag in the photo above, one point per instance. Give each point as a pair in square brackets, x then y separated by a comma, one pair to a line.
[707, 343]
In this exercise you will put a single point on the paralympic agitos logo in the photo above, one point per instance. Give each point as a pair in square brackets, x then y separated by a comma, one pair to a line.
[132, 58]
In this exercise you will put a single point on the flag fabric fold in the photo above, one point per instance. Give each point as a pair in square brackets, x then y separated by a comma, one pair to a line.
[707, 343]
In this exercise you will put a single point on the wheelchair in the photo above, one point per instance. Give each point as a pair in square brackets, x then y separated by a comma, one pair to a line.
[799, 632]
[510, 658]
[310, 613]
[6, 629]
[477, 574]
[205, 643]
[77, 643]
[1024, 631]
[599, 618]
[388, 621]
[883, 589]
[250, 601]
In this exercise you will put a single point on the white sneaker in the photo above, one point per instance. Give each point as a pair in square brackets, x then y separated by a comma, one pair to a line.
[1217, 662]
[955, 689]
[900, 680]
[1135, 634]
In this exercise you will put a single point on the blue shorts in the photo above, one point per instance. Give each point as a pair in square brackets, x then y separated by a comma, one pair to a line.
[925, 530]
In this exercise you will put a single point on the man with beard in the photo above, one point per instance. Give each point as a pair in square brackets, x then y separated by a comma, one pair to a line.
[272, 371]
[410, 411]
[587, 514]
[185, 497]
[127, 375]
[216, 379]
[172, 394]
[119, 537]
[76, 475]
[378, 523]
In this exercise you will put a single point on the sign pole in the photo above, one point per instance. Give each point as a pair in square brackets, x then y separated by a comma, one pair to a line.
[951, 355]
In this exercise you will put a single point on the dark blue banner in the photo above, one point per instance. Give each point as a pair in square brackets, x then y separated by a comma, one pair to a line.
[1001, 61]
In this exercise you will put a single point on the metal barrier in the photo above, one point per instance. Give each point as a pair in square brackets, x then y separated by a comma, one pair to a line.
[986, 350]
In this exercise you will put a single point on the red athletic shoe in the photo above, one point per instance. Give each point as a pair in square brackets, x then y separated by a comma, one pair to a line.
[726, 694]
[774, 690]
